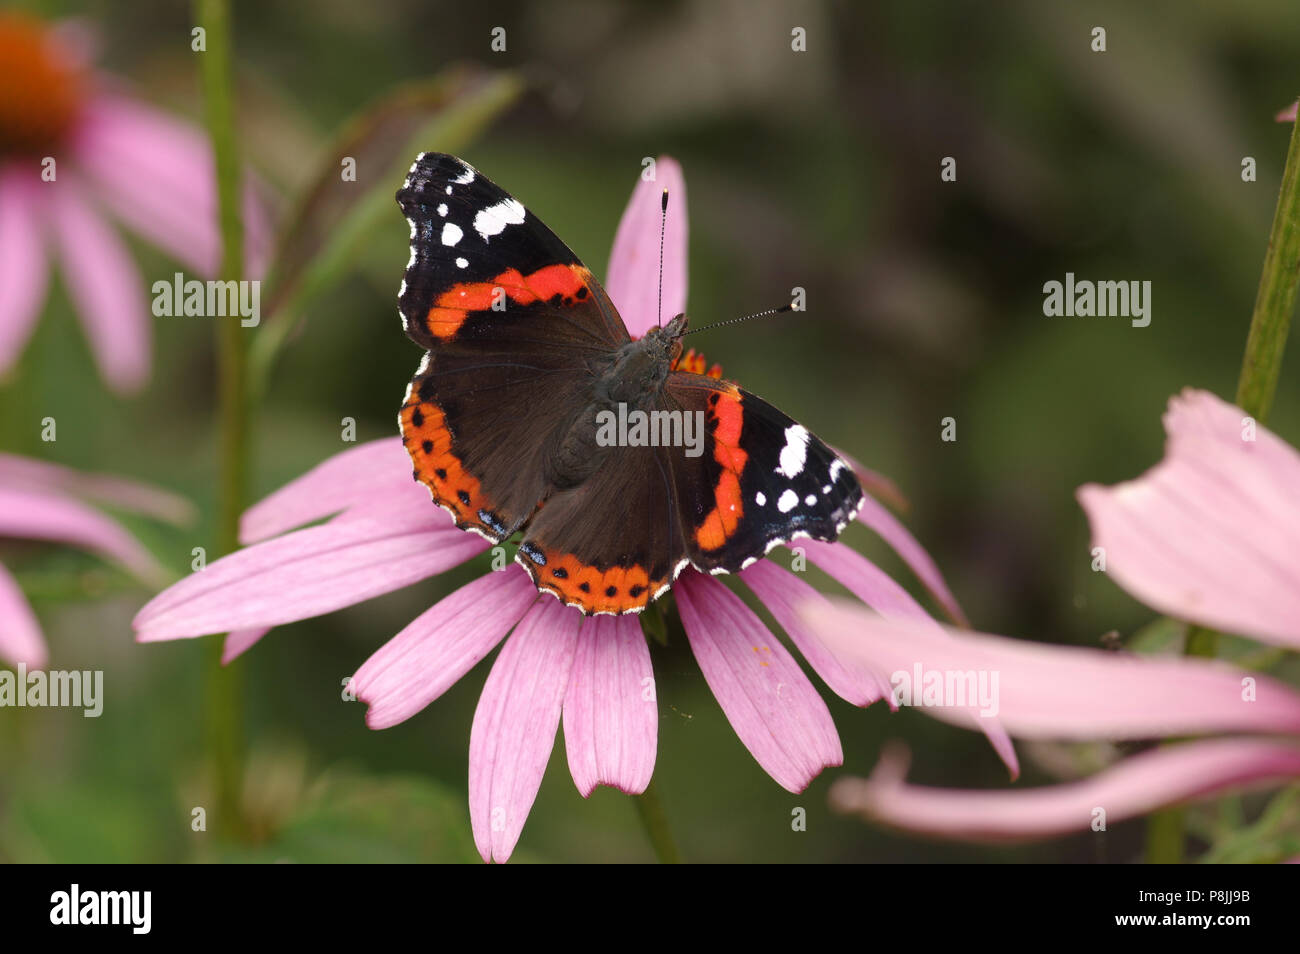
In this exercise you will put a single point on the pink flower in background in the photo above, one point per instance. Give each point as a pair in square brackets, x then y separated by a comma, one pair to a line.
[40, 501]
[1287, 115]
[1068, 693]
[1209, 535]
[594, 674]
[112, 155]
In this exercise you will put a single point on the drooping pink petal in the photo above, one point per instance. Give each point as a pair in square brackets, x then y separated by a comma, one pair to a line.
[1060, 692]
[24, 267]
[1131, 788]
[515, 722]
[106, 287]
[1287, 115]
[768, 700]
[632, 280]
[20, 634]
[875, 516]
[375, 470]
[38, 515]
[874, 587]
[301, 575]
[240, 641]
[783, 594]
[156, 174]
[611, 715]
[1211, 533]
[440, 645]
[28, 473]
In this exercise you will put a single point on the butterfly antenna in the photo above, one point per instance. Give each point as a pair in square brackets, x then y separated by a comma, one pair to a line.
[663, 223]
[732, 321]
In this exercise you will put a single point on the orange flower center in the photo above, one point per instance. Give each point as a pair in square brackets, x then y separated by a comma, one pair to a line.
[695, 362]
[41, 90]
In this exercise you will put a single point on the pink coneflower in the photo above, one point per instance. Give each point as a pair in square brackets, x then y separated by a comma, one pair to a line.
[1209, 535]
[74, 146]
[593, 673]
[45, 502]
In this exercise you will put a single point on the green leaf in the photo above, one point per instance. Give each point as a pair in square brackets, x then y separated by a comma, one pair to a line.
[353, 818]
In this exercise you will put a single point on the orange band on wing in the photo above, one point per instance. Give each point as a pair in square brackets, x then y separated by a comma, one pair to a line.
[721, 521]
[428, 441]
[449, 311]
[616, 590]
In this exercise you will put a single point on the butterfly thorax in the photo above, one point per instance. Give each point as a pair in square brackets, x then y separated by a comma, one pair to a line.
[634, 377]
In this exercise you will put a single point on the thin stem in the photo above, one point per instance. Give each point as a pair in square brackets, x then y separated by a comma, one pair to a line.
[1165, 836]
[224, 712]
[1275, 303]
[651, 812]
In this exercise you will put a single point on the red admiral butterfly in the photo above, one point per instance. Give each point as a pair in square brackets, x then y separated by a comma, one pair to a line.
[525, 353]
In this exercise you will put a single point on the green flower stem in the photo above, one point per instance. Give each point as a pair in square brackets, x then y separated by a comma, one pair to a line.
[651, 811]
[1166, 836]
[1269, 325]
[224, 728]
[1275, 303]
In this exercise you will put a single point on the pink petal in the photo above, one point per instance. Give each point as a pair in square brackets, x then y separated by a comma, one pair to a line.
[442, 644]
[768, 700]
[1064, 692]
[359, 475]
[632, 280]
[106, 288]
[301, 575]
[611, 717]
[1211, 533]
[1287, 115]
[874, 587]
[26, 473]
[156, 173]
[515, 722]
[37, 515]
[782, 592]
[873, 515]
[24, 269]
[240, 641]
[1131, 788]
[20, 633]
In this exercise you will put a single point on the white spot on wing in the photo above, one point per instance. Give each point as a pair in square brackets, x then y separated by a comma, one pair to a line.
[451, 233]
[494, 219]
[787, 501]
[442, 209]
[810, 500]
[462, 263]
[795, 451]
[465, 178]
[760, 498]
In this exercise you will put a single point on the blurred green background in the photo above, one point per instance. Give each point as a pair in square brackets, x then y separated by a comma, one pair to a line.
[818, 169]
